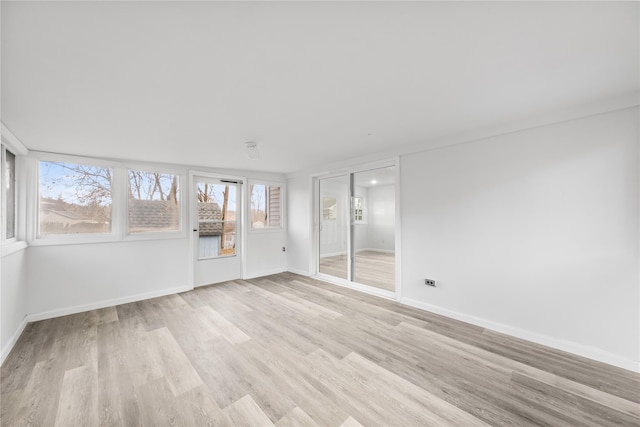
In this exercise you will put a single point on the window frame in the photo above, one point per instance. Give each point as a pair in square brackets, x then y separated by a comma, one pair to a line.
[239, 241]
[3, 235]
[283, 191]
[14, 244]
[182, 204]
[119, 202]
[57, 239]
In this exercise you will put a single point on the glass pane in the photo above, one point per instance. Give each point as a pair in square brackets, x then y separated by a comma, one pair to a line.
[334, 226]
[266, 206]
[153, 202]
[373, 219]
[74, 199]
[10, 180]
[216, 220]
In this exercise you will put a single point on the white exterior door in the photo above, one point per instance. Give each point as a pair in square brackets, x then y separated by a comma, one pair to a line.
[216, 224]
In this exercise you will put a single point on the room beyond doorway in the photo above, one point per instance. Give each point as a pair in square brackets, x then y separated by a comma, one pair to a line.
[357, 223]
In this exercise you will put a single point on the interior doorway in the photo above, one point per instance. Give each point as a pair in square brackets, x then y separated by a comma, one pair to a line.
[357, 229]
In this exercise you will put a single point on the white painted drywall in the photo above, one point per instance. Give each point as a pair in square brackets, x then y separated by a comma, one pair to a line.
[299, 225]
[334, 234]
[264, 253]
[361, 230]
[534, 231]
[64, 277]
[13, 298]
[381, 216]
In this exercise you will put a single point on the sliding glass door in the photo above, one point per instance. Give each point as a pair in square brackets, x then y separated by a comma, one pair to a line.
[334, 226]
[374, 225]
[357, 228]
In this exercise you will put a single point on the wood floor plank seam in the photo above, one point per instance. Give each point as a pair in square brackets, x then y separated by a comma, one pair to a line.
[290, 350]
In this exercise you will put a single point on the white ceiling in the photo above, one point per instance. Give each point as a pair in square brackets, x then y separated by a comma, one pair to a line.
[312, 83]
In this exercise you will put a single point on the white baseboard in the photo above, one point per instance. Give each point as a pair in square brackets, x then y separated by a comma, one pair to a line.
[12, 342]
[330, 254]
[558, 344]
[300, 272]
[382, 251]
[371, 290]
[103, 304]
[264, 273]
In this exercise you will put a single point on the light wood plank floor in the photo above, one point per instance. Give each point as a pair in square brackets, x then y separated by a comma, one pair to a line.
[372, 268]
[287, 350]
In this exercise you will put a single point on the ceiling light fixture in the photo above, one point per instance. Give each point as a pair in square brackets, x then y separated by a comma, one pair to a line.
[374, 182]
[252, 150]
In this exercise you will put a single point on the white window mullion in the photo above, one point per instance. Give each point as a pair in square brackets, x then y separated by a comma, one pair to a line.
[119, 202]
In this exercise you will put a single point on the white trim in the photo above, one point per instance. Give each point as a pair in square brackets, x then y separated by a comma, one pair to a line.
[300, 272]
[330, 254]
[382, 251]
[181, 232]
[314, 226]
[12, 247]
[268, 183]
[559, 344]
[35, 239]
[12, 142]
[603, 106]
[382, 293]
[119, 201]
[241, 242]
[14, 339]
[264, 273]
[315, 216]
[3, 196]
[105, 303]
[398, 230]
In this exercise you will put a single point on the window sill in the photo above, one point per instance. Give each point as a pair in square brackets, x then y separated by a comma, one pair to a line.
[11, 248]
[72, 240]
[88, 240]
[266, 230]
[154, 235]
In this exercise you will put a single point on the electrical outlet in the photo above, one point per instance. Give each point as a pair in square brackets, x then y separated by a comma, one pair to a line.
[430, 282]
[284, 249]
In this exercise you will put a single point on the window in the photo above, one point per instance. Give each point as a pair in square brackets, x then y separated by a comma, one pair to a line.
[217, 225]
[9, 194]
[74, 199]
[153, 202]
[266, 206]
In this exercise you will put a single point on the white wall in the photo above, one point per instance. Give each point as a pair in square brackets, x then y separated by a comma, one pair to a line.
[382, 214]
[334, 235]
[361, 231]
[264, 253]
[67, 278]
[533, 232]
[71, 278]
[300, 225]
[13, 299]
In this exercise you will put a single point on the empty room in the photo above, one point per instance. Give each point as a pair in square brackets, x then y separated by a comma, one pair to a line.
[320, 213]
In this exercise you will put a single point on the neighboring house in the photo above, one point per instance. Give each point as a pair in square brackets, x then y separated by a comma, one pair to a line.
[211, 228]
[54, 220]
[273, 206]
[209, 219]
[153, 215]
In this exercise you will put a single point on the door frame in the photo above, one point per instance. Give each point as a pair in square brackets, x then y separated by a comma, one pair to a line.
[318, 205]
[315, 240]
[193, 226]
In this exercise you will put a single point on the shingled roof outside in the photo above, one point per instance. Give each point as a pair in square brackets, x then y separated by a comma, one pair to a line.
[208, 216]
[153, 215]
